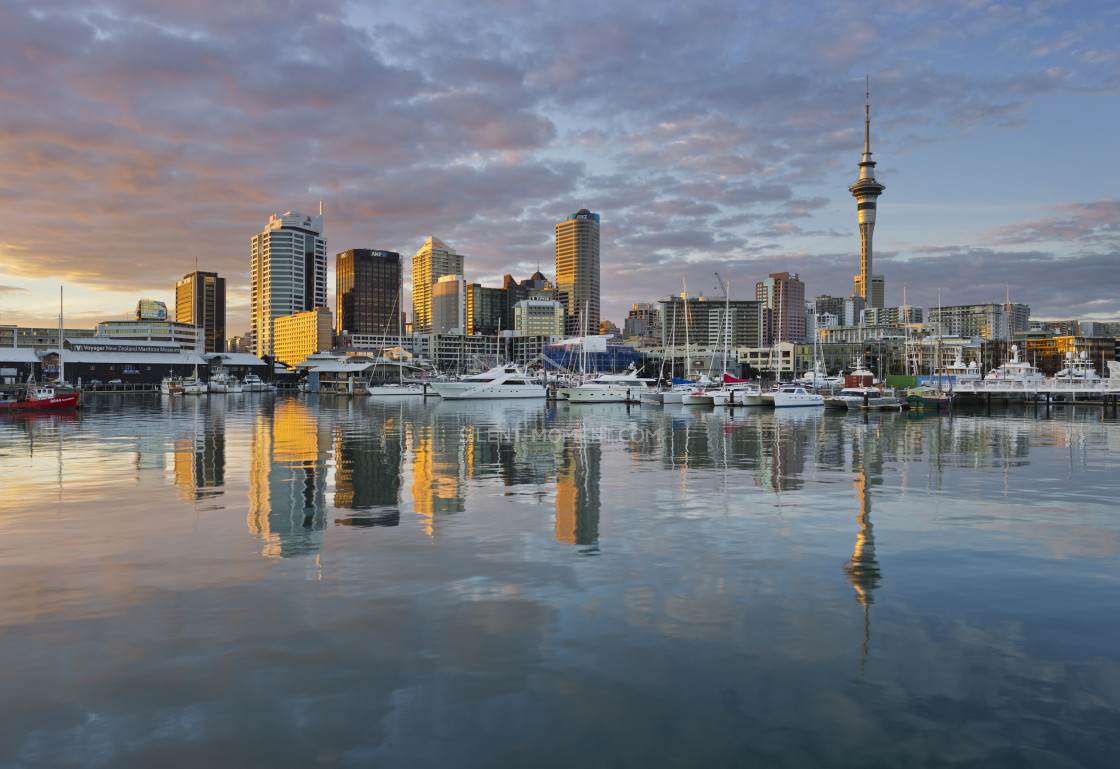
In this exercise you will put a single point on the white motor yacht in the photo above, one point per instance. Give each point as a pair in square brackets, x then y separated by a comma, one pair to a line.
[855, 398]
[253, 383]
[410, 389]
[509, 381]
[607, 388]
[1078, 369]
[793, 395]
[1016, 371]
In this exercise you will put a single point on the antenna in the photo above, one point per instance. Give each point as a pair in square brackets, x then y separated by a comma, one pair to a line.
[867, 116]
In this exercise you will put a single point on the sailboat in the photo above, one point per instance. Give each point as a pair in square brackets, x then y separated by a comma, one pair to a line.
[931, 397]
[400, 387]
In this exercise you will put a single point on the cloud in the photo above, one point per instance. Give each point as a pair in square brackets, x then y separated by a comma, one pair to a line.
[137, 137]
[1090, 223]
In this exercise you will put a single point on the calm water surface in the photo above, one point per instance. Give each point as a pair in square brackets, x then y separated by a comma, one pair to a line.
[253, 580]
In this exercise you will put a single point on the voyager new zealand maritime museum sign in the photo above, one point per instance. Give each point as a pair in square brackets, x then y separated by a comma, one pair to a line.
[125, 348]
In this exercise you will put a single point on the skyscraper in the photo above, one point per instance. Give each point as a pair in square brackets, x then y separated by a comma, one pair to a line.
[783, 301]
[431, 262]
[866, 191]
[368, 291]
[200, 298]
[577, 271]
[288, 273]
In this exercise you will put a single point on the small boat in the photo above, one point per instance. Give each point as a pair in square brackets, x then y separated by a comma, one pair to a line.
[223, 382]
[402, 389]
[171, 385]
[928, 397]
[254, 384]
[41, 397]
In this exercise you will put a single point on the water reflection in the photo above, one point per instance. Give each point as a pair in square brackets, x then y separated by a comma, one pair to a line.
[288, 478]
[199, 449]
[451, 613]
[577, 495]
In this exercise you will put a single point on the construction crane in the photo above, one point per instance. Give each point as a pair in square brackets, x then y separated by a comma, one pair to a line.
[722, 285]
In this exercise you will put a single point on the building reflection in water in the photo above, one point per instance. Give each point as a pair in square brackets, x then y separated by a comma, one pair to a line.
[863, 570]
[199, 453]
[367, 476]
[577, 495]
[442, 460]
[288, 478]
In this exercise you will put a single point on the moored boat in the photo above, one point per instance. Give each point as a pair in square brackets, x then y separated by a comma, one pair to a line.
[787, 396]
[41, 397]
[509, 381]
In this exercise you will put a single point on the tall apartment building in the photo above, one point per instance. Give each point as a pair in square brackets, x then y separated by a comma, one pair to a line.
[783, 299]
[431, 262]
[449, 305]
[368, 291]
[301, 334]
[200, 298]
[892, 316]
[288, 273]
[989, 321]
[577, 271]
[704, 322]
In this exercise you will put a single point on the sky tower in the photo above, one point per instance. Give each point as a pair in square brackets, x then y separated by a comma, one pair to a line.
[866, 191]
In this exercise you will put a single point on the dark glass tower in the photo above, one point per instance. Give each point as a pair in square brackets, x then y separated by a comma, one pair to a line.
[367, 291]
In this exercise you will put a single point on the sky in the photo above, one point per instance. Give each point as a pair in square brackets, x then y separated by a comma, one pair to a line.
[141, 140]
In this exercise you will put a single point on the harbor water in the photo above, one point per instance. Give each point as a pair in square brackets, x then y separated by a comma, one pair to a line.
[299, 580]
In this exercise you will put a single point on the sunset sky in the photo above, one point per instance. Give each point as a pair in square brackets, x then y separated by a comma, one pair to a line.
[138, 137]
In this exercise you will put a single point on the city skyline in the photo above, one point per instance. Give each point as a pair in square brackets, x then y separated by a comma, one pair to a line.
[133, 125]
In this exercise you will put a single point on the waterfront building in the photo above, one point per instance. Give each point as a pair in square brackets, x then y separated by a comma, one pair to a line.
[200, 298]
[866, 191]
[39, 338]
[301, 334]
[589, 353]
[132, 361]
[487, 309]
[431, 262]
[187, 335]
[990, 320]
[368, 291]
[703, 321]
[782, 296]
[449, 305]
[644, 319]
[891, 316]
[1048, 352]
[538, 317]
[577, 271]
[288, 273]
[1099, 328]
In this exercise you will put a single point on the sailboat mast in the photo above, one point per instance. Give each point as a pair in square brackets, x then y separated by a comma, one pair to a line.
[61, 365]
